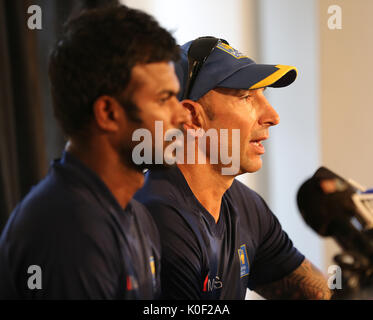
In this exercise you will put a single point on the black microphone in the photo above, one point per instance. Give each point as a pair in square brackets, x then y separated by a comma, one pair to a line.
[332, 206]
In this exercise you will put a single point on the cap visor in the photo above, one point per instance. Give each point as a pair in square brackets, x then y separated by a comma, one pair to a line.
[257, 76]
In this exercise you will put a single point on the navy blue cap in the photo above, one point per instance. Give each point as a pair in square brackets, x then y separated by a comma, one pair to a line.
[226, 67]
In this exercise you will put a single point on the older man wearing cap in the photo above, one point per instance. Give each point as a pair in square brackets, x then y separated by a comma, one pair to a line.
[218, 236]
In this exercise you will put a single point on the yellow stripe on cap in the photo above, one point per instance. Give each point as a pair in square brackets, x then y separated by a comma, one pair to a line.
[272, 78]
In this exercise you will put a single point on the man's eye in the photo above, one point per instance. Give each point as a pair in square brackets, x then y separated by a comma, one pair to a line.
[166, 98]
[246, 97]
[163, 100]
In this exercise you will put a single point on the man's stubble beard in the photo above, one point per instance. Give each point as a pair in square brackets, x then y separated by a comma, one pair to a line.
[126, 147]
[125, 153]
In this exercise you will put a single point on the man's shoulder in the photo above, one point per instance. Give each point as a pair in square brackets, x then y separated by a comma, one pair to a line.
[54, 194]
[48, 196]
[142, 214]
[240, 193]
[54, 207]
[169, 210]
[253, 211]
[162, 188]
[164, 211]
[237, 185]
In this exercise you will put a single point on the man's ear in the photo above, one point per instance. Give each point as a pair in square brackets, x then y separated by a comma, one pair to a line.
[195, 110]
[107, 113]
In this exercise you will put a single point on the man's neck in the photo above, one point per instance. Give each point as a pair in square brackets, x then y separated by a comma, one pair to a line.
[207, 184]
[121, 180]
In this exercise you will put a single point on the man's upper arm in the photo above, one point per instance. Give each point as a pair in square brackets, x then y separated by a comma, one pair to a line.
[275, 255]
[181, 276]
[305, 282]
[279, 270]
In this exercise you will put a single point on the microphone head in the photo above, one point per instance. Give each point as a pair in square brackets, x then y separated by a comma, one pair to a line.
[325, 199]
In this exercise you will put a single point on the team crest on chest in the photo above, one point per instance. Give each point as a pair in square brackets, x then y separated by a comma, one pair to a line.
[152, 269]
[244, 261]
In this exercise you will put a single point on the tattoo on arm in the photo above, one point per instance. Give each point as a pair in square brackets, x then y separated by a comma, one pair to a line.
[306, 282]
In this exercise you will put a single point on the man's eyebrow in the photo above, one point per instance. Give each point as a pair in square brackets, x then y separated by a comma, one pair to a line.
[168, 92]
[241, 92]
[264, 89]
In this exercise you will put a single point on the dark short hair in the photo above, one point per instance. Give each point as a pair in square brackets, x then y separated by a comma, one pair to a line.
[95, 56]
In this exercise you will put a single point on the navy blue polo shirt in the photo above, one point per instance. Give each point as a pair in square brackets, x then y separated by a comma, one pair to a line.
[86, 245]
[202, 259]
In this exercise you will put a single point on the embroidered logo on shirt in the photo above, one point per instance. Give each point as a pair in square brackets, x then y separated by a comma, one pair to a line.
[212, 284]
[131, 283]
[244, 261]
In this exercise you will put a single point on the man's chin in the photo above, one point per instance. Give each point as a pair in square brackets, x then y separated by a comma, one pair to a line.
[252, 167]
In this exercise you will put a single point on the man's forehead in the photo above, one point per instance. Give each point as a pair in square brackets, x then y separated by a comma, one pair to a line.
[153, 70]
[154, 74]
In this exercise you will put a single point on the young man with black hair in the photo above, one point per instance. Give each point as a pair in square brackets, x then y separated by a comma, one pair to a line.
[218, 236]
[77, 234]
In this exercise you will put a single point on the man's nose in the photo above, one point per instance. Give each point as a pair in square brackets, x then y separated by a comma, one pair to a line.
[269, 116]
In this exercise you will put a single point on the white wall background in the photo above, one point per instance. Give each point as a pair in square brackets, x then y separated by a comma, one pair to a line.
[188, 19]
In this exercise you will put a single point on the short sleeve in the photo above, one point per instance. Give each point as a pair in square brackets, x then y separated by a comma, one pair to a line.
[181, 272]
[275, 256]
